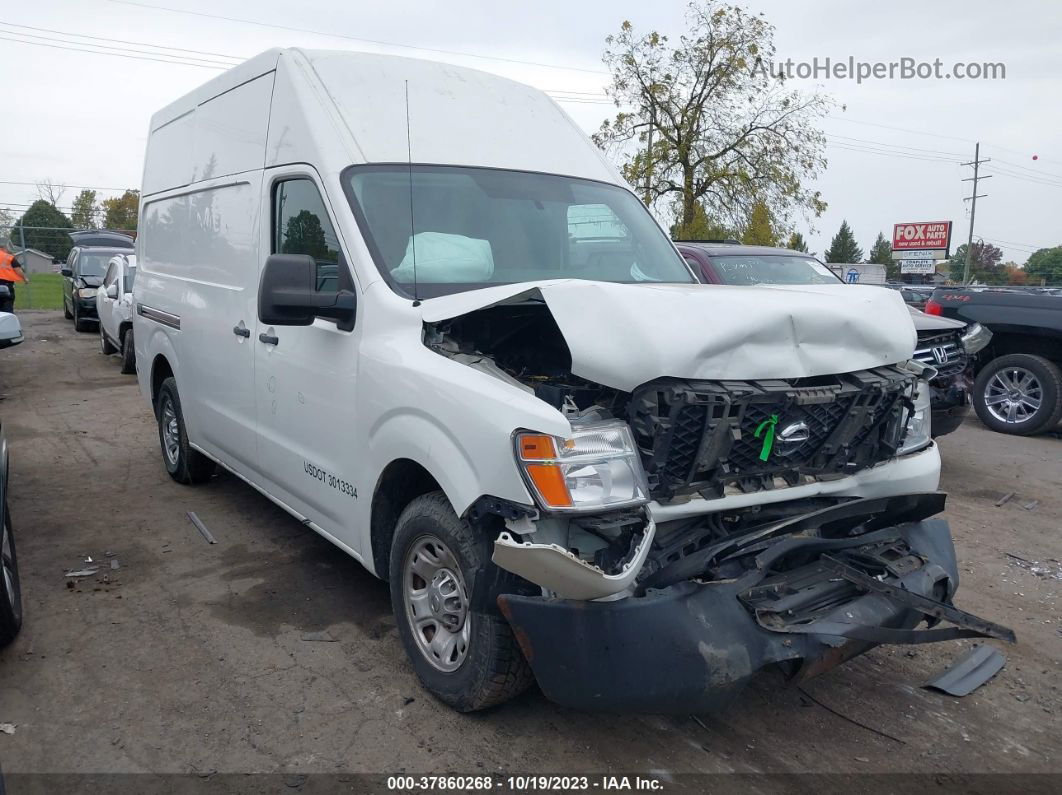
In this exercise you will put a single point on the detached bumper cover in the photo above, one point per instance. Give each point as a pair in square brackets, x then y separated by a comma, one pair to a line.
[692, 647]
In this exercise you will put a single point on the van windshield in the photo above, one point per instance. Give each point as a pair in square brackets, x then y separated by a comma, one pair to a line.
[474, 227]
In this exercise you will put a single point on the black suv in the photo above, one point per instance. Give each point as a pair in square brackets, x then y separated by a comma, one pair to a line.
[85, 266]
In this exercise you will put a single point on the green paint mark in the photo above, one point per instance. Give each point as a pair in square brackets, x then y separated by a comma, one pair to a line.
[768, 438]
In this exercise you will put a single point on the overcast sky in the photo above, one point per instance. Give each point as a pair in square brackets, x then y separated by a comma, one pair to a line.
[81, 118]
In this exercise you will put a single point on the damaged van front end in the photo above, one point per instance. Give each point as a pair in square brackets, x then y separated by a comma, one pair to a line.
[769, 501]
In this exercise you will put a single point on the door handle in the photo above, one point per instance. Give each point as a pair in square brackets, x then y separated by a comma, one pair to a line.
[241, 331]
[268, 339]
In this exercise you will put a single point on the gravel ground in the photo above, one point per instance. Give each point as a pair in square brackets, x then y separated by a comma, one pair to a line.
[190, 657]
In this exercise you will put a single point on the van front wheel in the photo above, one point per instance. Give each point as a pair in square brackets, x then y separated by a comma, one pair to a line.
[184, 464]
[467, 658]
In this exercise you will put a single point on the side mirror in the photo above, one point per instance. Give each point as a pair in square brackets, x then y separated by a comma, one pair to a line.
[112, 292]
[66, 272]
[287, 294]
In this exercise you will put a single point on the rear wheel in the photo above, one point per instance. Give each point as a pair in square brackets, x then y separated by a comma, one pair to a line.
[1019, 393]
[184, 464]
[467, 659]
[105, 344]
[128, 353]
[10, 587]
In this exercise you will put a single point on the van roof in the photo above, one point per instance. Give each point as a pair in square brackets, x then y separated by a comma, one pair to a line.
[338, 108]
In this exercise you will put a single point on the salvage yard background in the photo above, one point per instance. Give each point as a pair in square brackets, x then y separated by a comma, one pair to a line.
[273, 651]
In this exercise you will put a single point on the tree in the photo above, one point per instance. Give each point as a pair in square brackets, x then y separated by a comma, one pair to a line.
[305, 235]
[708, 124]
[984, 265]
[50, 191]
[796, 242]
[702, 228]
[758, 231]
[120, 212]
[881, 253]
[1046, 265]
[85, 212]
[843, 247]
[51, 239]
[1015, 273]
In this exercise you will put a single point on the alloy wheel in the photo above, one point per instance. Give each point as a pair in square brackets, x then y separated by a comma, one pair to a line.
[1013, 395]
[171, 432]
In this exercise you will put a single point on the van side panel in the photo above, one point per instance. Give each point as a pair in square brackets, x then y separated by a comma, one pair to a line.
[199, 259]
[168, 161]
[230, 130]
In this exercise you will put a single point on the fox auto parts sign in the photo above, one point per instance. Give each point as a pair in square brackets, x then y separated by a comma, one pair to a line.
[922, 236]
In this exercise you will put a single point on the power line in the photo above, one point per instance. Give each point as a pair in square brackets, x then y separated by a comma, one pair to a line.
[892, 146]
[114, 54]
[183, 58]
[122, 41]
[1027, 178]
[377, 42]
[1034, 171]
[888, 153]
[79, 187]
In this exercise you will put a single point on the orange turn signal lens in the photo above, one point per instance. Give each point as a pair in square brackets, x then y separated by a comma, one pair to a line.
[549, 480]
[537, 447]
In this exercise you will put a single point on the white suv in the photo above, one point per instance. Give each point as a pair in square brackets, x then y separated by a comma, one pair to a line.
[114, 305]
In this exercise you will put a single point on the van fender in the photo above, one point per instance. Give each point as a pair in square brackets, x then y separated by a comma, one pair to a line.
[152, 341]
[416, 435]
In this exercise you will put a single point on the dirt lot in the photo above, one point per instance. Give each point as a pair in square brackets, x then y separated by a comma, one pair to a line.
[190, 657]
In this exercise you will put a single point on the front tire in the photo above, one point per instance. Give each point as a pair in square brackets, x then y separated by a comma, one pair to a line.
[467, 659]
[105, 344]
[1019, 394]
[10, 585]
[184, 464]
[80, 324]
[128, 353]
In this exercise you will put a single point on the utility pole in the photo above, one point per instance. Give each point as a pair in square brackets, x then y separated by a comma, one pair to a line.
[977, 161]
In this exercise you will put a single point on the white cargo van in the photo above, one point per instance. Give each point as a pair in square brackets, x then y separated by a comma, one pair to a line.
[412, 304]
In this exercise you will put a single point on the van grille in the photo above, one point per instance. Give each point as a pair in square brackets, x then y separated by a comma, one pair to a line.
[700, 436]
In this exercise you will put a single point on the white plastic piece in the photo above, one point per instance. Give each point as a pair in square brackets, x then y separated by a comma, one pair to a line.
[558, 570]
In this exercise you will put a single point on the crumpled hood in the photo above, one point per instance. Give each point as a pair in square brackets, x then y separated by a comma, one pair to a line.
[623, 335]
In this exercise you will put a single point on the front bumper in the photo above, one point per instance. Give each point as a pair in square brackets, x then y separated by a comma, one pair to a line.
[692, 647]
[86, 307]
[950, 404]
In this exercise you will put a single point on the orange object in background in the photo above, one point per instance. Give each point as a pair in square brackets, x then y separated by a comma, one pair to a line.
[8, 271]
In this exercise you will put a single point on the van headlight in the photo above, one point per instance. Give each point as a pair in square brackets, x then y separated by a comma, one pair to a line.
[87, 292]
[919, 423]
[597, 467]
[975, 338]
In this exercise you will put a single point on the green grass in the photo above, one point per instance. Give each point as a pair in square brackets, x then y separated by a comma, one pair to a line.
[44, 291]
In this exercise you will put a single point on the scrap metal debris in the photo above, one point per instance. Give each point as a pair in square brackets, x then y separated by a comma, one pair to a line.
[7, 728]
[969, 671]
[1029, 506]
[82, 572]
[1051, 570]
[1005, 499]
[195, 520]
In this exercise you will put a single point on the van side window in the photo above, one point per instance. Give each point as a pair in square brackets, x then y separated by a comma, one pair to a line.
[301, 226]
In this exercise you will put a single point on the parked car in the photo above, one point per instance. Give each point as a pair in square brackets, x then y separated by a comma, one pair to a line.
[114, 307]
[940, 340]
[10, 330]
[913, 295]
[1018, 386]
[83, 272]
[485, 372]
